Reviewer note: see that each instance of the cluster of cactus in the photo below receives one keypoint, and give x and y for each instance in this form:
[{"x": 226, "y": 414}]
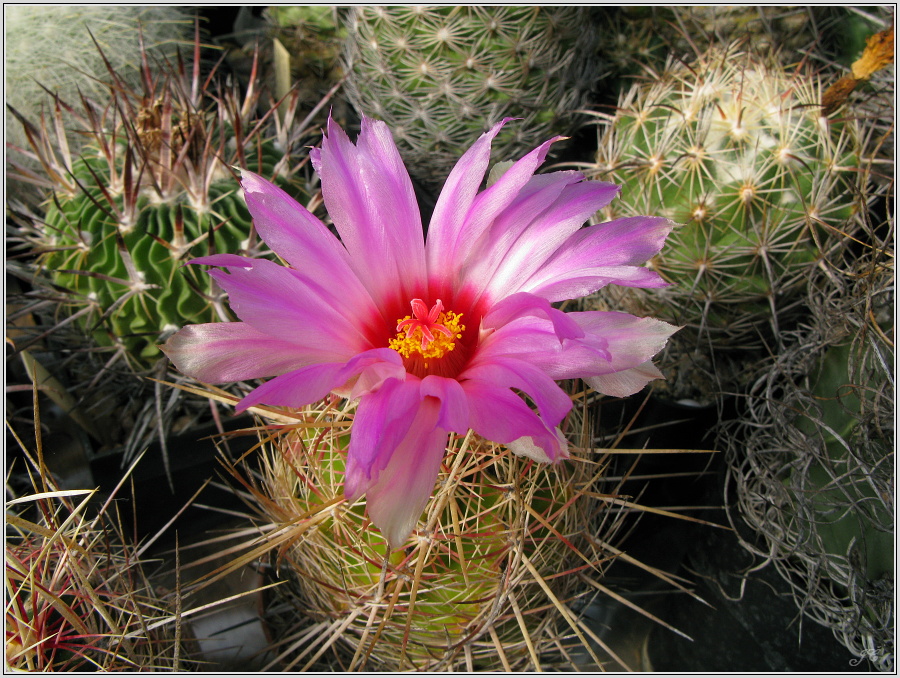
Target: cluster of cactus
[
  {"x": 154, "y": 187},
  {"x": 475, "y": 588},
  {"x": 439, "y": 76},
  {"x": 812, "y": 455},
  {"x": 827, "y": 33},
  {"x": 734, "y": 148}
]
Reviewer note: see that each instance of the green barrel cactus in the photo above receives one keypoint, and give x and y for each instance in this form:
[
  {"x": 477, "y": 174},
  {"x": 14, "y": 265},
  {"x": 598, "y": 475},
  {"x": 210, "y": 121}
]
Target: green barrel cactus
[
  {"x": 155, "y": 187},
  {"x": 439, "y": 76},
  {"x": 471, "y": 590},
  {"x": 733, "y": 148}
]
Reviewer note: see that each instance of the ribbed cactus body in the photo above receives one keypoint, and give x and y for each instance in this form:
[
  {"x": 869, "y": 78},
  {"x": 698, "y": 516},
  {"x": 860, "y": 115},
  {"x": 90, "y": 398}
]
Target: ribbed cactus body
[
  {"x": 734, "y": 149},
  {"x": 140, "y": 282},
  {"x": 439, "y": 75},
  {"x": 130, "y": 266},
  {"x": 155, "y": 186}
]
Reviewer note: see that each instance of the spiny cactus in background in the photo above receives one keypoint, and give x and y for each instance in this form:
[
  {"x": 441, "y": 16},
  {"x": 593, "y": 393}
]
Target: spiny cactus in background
[
  {"x": 478, "y": 586},
  {"x": 54, "y": 49},
  {"x": 734, "y": 148},
  {"x": 153, "y": 189},
  {"x": 78, "y": 597},
  {"x": 629, "y": 42},
  {"x": 812, "y": 455},
  {"x": 439, "y": 76}
]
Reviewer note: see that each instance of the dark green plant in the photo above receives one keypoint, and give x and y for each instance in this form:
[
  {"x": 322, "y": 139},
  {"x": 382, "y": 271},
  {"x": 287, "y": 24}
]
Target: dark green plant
[{"x": 154, "y": 187}]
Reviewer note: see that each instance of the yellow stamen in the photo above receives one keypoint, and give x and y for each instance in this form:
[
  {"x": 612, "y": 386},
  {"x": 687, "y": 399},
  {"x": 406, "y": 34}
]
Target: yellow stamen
[{"x": 428, "y": 344}]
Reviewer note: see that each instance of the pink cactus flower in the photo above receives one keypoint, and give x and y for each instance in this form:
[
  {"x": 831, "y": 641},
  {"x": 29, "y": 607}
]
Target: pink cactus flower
[{"x": 431, "y": 335}]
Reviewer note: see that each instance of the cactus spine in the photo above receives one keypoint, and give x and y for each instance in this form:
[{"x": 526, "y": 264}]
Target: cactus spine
[
  {"x": 439, "y": 75},
  {"x": 734, "y": 148},
  {"x": 472, "y": 590},
  {"x": 153, "y": 189}
]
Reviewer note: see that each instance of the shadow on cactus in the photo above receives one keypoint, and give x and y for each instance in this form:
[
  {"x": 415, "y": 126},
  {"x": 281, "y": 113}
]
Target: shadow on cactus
[{"x": 154, "y": 188}]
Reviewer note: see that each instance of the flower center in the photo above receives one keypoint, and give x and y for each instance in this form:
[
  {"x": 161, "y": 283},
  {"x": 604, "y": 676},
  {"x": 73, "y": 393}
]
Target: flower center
[{"x": 429, "y": 333}]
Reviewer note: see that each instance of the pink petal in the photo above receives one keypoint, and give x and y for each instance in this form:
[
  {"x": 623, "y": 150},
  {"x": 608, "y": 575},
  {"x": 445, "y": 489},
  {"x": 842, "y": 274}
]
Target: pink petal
[
  {"x": 523, "y": 304},
  {"x": 370, "y": 198},
  {"x": 612, "y": 342},
  {"x": 313, "y": 382},
  {"x": 454, "y": 412},
  {"x": 285, "y": 304},
  {"x": 552, "y": 402},
  {"x": 381, "y": 423},
  {"x": 396, "y": 500},
  {"x": 626, "y": 382},
  {"x": 530, "y": 230},
  {"x": 302, "y": 240},
  {"x": 608, "y": 253},
  {"x": 631, "y": 341},
  {"x": 526, "y": 447},
  {"x": 498, "y": 414},
  {"x": 221, "y": 352},
  {"x": 449, "y": 251},
  {"x": 456, "y": 198}
]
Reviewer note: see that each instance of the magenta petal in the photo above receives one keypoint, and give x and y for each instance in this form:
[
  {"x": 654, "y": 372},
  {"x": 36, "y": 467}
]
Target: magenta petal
[
  {"x": 300, "y": 387},
  {"x": 225, "y": 261},
  {"x": 454, "y": 412},
  {"x": 612, "y": 342},
  {"x": 457, "y": 195},
  {"x": 302, "y": 240},
  {"x": 314, "y": 382},
  {"x": 500, "y": 415},
  {"x": 607, "y": 253},
  {"x": 552, "y": 402},
  {"x": 220, "y": 352},
  {"x": 520, "y": 241},
  {"x": 280, "y": 302},
  {"x": 627, "y": 341},
  {"x": 381, "y": 422},
  {"x": 396, "y": 500},
  {"x": 449, "y": 252},
  {"x": 370, "y": 198},
  {"x": 523, "y": 304}
]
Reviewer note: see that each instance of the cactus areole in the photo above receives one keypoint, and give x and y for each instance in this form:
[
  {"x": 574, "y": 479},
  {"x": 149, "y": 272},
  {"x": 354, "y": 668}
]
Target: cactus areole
[{"x": 431, "y": 336}]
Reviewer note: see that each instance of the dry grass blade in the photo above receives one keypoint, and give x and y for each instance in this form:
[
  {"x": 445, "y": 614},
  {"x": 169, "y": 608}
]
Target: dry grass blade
[{"x": 77, "y": 596}]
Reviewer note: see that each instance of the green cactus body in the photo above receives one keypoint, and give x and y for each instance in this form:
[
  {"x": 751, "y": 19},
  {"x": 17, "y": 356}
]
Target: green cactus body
[
  {"x": 812, "y": 453},
  {"x": 160, "y": 294},
  {"x": 155, "y": 186},
  {"x": 733, "y": 149},
  {"x": 439, "y": 75},
  {"x": 826, "y": 33},
  {"x": 452, "y": 583},
  {"x": 845, "y": 505}
]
